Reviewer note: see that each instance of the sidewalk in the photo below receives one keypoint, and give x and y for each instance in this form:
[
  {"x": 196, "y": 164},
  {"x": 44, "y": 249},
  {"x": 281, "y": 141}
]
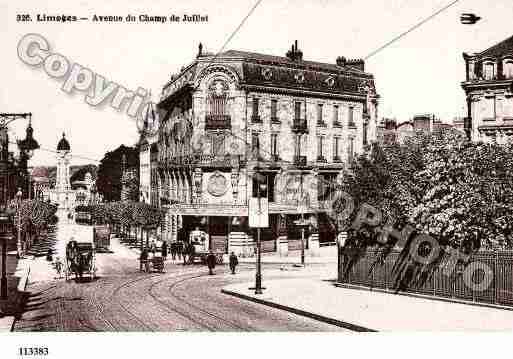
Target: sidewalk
[
  {"x": 325, "y": 255},
  {"x": 35, "y": 268},
  {"x": 364, "y": 310}
]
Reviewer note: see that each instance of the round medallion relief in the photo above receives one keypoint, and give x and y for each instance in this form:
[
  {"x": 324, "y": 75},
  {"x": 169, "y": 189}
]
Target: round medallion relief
[{"x": 217, "y": 184}]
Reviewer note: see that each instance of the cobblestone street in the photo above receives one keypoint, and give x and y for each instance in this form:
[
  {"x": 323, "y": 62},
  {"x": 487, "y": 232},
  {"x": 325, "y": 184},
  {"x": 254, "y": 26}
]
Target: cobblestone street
[{"x": 123, "y": 299}]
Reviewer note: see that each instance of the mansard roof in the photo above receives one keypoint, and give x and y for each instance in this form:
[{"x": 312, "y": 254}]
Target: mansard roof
[
  {"x": 499, "y": 50},
  {"x": 277, "y": 72}
]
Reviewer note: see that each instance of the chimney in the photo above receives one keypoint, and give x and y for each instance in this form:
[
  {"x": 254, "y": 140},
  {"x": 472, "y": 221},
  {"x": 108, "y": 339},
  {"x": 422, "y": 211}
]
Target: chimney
[{"x": 294, "y": 54}]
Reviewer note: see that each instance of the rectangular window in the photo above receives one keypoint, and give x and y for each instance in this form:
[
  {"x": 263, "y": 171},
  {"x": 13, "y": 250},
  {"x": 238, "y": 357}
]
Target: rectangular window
[
  {"x": 297, "y": 109},
  {"x": 274, "y": 110},
  {"x": 335, "y": 114},
  {"x": 350, "y": 149},
  {"x": 319, "y": 146},
  {"x": 256, "y": 102},
  {"x": 335, "y": 148},
  {"x": 255, "y": 143},
  {"x": 365, "y": 133},
  {"x": 319, "y": 113},
  {"x": 274, "y": 144},
  {"x": 350, "y": 116}
]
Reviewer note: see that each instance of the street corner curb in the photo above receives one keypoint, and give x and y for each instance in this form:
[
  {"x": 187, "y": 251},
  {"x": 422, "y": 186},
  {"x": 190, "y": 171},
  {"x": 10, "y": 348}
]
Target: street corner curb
[
  {"x": 7, "y": 324},
  {"x": 301, "y": 312}
]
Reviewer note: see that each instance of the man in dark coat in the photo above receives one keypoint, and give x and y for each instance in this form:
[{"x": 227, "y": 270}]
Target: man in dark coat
[
  {"x": 163, "y": 250},
  {"x": 211, "y": 262},
  {"x": 233, "y": 262},
  {"x": 192, "y": 253},
  {"x": 185, "y": 248},
  {"x": 173, "y": 249},
  {"x": 144, "y": 260}
]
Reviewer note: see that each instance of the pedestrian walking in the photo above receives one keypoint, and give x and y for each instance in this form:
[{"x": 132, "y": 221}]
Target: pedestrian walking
[
  {"x": 58, "y": 267},
  {"x": 153, "y": 247},
  {"x": 192, "y": 253},
  {"x": 164, "y": 250},
  {"x": 211, "y": 262},
  {"x": 184, "y": 250},
  {"x": 144, "y": 261},
  {"x": 173, "y": 248},
  {"x": 234, "y": 261},
  {"x": 179, "y": 250}
]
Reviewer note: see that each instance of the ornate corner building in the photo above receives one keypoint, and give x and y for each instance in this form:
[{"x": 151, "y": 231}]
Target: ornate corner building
[
  {"x": 299, "y": 122},
  {"x": 489, "y": 90}
]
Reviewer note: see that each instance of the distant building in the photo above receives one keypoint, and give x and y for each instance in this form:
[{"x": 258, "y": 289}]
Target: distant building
[
  {"x": 391, "y": 131},
  {"x": 148, "y": 160},
  {"x": 41, "y": 183},
  {"x": 489, "y": 90}
]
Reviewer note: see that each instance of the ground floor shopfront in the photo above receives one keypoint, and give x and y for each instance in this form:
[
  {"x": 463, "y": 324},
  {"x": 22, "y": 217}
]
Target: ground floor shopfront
[{"x": 229, "y": 232}]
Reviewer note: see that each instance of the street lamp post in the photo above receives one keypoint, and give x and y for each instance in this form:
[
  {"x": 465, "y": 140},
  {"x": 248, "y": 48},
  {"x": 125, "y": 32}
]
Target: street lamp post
[
  {"x": 5, "y": 228},
  {"x": 18, "y": 214}
]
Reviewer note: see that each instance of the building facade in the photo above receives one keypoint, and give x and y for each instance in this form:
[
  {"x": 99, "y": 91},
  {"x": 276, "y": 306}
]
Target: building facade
[
  {"x": 489, "y": 92},
  {"x": 227, "y": 116},
  {"x": 147, "y": 157}
]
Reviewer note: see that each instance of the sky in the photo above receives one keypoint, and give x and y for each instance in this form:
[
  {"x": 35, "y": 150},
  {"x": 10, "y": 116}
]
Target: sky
[{"x": 419, "y": 73}]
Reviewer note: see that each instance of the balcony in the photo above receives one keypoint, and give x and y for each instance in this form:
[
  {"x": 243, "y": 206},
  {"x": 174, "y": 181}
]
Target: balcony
[
  {"x": 300, "y": 161},
  {"x": 337, "y": 159},
  {"x": 275, "y": 120},
  {"x": 321, "y": 124},
  {"x": 217, "y": 122},
  {"x": 300, "y": 125},
  {"x": 256, "y": 119},
  {"x": 337, "y": 124},
  {"x": 205, "y": 160},
  {"x": 352, "y": 125},
  {"x": 321, "y": 159}
]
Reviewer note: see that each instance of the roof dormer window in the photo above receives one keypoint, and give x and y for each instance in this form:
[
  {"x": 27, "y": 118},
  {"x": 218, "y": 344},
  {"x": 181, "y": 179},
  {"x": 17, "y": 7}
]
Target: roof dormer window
[
  {"x": 488, "y": 70},
  {"x": 507, "y": 68}
]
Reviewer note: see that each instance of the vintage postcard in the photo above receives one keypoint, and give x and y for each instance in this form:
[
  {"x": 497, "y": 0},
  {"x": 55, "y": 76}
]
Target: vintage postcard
[{"x": 252, "y": 166}]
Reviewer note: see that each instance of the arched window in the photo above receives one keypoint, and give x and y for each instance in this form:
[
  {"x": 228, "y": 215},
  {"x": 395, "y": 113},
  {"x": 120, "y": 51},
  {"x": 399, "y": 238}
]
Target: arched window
[
  {"x": 508, "y": 68},
  {"x": 217, "y": 105},
  {"x": 488, "y": 71}
]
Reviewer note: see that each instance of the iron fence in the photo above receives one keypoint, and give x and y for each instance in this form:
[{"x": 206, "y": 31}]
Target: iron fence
[{"x": 462, "y": 283}]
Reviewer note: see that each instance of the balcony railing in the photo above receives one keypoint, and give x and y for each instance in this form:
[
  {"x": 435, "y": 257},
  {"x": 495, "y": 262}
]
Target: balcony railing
[
  {"x": 300, "y": 125},
  {"x": 300, "y": 161},
  {"x": 206, "y": 160},
  {"x": 275, "y": 120},
  {"x": 337, "y": 124},
  {"x": 256, "y": 119},
  {"x": 336, "y": 159},
  {"x": 321, "y": 159},
  {"x": 321, "y": 124},
  {"x": 352, "y": 125},
  {"x": 217, "y": 122}
]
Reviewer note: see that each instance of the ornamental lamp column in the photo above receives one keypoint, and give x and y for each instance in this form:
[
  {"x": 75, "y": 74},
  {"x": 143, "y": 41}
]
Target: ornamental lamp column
[{"x": 19, "y": 246}]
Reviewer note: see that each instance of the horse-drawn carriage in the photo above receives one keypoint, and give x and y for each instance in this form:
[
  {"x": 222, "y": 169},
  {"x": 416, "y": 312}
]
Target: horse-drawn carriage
[{"x": 80, "y": 260}]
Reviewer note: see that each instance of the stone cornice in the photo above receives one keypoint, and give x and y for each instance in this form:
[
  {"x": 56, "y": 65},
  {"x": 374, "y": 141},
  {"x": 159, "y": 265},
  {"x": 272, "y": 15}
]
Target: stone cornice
[{"x": 301, "y": 93}]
